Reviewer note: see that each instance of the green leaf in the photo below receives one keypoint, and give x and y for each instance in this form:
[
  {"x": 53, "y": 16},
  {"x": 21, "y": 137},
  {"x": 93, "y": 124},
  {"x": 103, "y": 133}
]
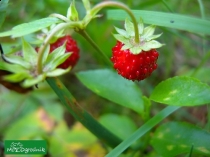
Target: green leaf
[
  {"x": 31, "y": 27},
  {"x": 3, "y": 7},
  {"x": 122, "y": 126},
  {"x": 129, "y": 27},
  {"x": 181, "y": 91},
  {"x": 113, "y": 87},
  {"x": 174, "y": 138},
  {"x": 58, "y": 72},
  {"x": 29, "y": 53},
  {"x": 181, "y": 22}
]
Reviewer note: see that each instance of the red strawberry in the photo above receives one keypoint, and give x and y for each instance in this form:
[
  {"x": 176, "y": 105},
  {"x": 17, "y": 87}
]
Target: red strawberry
[
  {"x": 71, "y": 46},
  {"x": 135, "y": 60},
  {"x": 132, "y": 66}
]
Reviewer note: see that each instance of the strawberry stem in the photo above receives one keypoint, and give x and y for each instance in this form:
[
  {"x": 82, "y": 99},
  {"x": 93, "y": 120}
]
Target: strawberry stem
[
  {"x": 90, "y": 40},
  {"x": 101, "y": 5},
  {"x": 59, "y": 16}
]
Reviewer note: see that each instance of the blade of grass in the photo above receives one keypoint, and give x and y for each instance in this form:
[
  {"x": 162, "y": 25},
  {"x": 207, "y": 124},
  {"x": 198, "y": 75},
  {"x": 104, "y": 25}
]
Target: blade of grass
[
  {"x": 142, "y": 131},
  {"x": 80, "y": 114},
  {"x": 3, "y": 7},
  {"x": 181, "y": 22},
  {"x": 167, "y": 6},
  {"x": 203, "y": 17}
]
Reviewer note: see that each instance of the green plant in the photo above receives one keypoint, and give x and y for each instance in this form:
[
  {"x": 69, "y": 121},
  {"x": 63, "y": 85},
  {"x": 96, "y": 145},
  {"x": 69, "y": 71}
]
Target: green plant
[{"x": 137, "y": 100}]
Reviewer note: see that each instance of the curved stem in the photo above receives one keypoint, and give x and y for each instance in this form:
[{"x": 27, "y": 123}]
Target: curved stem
[
  {"x": 89, "y": 39},
  {"x": 58, "y": 28},
  {"x": 101, "y": 5},
  {"x": 59, "y": 16}
]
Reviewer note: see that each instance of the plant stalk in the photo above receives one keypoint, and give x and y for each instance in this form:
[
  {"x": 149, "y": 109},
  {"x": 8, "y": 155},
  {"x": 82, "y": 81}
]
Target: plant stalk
[
  {"x": 89, "y": 39},
  {"x": 101, "y": 5},
  {"x": 80, "y": 114}
]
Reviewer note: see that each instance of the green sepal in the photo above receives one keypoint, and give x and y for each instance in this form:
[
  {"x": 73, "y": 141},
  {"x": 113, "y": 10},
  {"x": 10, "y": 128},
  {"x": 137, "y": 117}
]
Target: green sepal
[
  {"x": 121, "y": 38},
  {"x": 141, "y": 26},
  {"x": 29, "y": 53},
  {"x": 153, "y": 44},
  {"x": 127, "y": 37},
  {"x": 17, "y": 60},
  {"x": 136, "y": 50},
  {"x": 59, "y": 60},
  {"x": 148, "y": 31},
  {"x": 152, "y": 37},
  {"x": 127, "y": 46},
  {"x": 55, "y": 53},
  {"x": 72, "y": 13},
  {"x": 87, "y": 5},
  {"x": 46, "y": 54},
  {"x": 16, "y": 77},
  {"x": 129, "y": 27},
  {"x": 122, "y": 32},
  {"x": 58, "y": 72},
  {"x": 33, "y": 81},
  {"x": 13, "y": 68}
]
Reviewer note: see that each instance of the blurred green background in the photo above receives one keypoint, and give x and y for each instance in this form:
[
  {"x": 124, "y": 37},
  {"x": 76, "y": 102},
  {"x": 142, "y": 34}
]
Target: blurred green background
[{"x": 39, "y": 115}]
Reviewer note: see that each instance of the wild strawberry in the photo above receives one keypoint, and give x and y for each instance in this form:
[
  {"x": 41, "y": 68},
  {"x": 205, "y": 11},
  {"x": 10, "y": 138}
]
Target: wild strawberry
[
  {"x": 134, "y": 66},
  {"x": 71, "y": 46},
  {"x": 135, "y": 61}
]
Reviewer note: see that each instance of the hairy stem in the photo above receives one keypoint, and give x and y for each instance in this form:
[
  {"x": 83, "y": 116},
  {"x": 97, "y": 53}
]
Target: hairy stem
[{"x": 101, "y": 5}]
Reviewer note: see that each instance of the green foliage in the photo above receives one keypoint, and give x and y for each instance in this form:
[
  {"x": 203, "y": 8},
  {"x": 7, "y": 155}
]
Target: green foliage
[
  {"x": 31, "y": 27},
  {"x": 122, "y": 126},
  {"x": 134, "y": 109},
  {"x": 175, "y": 138},
  {"x": 181, "y": 91},
  {"x": 166, "y": 20},
  {"x": 123, "y": 92}
]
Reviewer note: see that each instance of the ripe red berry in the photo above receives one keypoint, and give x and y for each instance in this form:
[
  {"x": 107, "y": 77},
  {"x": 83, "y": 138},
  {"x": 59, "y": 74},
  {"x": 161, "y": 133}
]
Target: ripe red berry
[
  {"x": 133, "y": 58},
  {"x": 71, "y": 46},
  {"x": 134, "y": 66}
]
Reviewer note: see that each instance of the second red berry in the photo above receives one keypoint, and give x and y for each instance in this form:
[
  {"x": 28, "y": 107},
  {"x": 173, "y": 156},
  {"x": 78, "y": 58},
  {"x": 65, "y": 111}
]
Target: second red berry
[{"x": 71, "y": 46}]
